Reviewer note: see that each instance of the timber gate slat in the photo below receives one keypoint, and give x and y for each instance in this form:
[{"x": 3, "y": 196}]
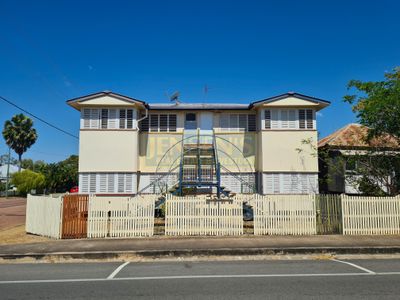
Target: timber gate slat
[{"x": 75, "y": 215}]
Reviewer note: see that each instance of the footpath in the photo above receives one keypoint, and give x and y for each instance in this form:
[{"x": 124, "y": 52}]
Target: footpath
[{"x": 161, "y": 247}]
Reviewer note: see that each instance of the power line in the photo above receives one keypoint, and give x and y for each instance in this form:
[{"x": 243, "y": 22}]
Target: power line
[{"x": 37, "y": 118}]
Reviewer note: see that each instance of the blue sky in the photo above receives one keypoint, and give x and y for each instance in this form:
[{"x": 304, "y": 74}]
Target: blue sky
[{"x": 51, "y": 51}]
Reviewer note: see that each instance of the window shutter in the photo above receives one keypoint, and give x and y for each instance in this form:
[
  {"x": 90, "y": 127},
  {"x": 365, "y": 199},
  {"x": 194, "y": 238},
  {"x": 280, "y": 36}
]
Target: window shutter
[
  {"x": 111, "y": 183},
  {"x": 94, "y": 119},
  {"x": 269, "y": 184},
  {"x": 233, "y": 122},
  {"x": 286, "y": 184},
  {"x": 129, "y": 181},
  {"x": 224, "y": 121},
  {"x": 274, "y": 119},
  {"x": 302, "y": 119},
  {"x": 172, "y": 123},
  {"x": 121, "y": 182},
  {"x": 153, "y": 122},
  {"x": 163, "y": 123},
  {"x": 242, "y": 122},
  {"x": 310, "y": 119},
  {"x": 103, "y": 182},
  {"x": 112, "y": 119},
  {"x": 84, "y": 183},
  {"x": 104, "y": 118},
  {"x": 284, "y": 119},
  {"x": 86, "y": 117},
  {"x": 122, "y": 118},
  {"x": 129, "y": 118},
  {"x": 303, "y": 183},
  {"x": 251, "y": 125},
  {"x": 267, "y": 118},
  {"x": 92, "y": 182},
  {"x": 292, "y": 119},
  {"x": 276, "y": 183}
]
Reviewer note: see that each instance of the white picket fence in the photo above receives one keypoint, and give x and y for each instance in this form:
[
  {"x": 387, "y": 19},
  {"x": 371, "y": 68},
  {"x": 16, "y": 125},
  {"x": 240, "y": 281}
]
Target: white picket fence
[
  {"x": 284, "y": 215},
  {"x": 198, "y": 216},
  {"x": 121, "y": 216},
  {"x": 370, "y": 215},
  {"x": 43, "y": 215}
]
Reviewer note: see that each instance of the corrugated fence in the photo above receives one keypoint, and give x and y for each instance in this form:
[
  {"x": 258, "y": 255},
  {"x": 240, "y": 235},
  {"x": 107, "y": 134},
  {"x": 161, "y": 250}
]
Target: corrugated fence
[{"x": 43, "y": 215}]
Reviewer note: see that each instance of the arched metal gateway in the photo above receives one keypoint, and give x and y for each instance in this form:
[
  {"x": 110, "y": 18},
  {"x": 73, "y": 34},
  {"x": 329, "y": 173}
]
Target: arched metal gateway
[{"x": 192, "y": 166}]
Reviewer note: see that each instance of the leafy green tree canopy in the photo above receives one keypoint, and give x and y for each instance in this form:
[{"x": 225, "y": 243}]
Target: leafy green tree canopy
[
  {"x": 19, "y": 134},
  {"x": 28, "y": 180},
  {"x": 377, "y": 104}
]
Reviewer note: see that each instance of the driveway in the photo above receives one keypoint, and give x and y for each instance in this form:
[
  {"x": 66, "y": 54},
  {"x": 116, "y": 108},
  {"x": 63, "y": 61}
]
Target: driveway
[{"x": 12, "y": 212}]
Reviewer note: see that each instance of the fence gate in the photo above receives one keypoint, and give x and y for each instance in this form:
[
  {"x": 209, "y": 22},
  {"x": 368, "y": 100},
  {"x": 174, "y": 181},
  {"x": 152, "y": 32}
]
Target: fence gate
[
  {"x": 329, "y": 214},
  {"x": 75, "y": 215}
]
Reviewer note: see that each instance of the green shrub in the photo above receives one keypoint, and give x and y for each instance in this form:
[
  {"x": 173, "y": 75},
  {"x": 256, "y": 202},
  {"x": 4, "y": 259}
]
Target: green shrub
[{"x": 27, "y": 180}]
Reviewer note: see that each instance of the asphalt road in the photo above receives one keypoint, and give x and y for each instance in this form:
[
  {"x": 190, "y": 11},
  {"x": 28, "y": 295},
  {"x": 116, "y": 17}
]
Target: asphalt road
[{"x": 283, "y": 279}]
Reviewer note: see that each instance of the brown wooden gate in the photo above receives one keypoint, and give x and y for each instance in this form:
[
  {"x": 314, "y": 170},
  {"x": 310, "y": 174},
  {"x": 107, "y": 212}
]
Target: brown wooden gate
[{"x": 75, "y": 215}]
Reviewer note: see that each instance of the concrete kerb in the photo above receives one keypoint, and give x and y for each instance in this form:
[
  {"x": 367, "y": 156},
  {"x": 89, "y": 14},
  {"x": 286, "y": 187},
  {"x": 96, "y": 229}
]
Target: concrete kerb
[{"x": 191, "y": 253}]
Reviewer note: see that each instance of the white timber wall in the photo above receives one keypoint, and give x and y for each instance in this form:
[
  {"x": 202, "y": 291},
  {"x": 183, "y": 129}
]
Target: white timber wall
[
  {"x": 284, "y": 215},
  {"x": 121, "y": 216},
  {"x": 370, "y": 215},
  {"x": 198, "y": 216},
  {"x": 44, "y": 215}
]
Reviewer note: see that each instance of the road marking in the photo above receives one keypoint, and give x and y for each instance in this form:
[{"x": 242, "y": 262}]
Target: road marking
[
  {"x": 117, "y": 270},
  {"x": 197, "y": 277},
  {"x": 354, "y": 265}
]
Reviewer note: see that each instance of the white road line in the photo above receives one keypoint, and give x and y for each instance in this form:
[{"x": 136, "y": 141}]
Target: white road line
[
  {"x": 196, "y": 277},
  {"x": 117, "y": 270},
  {"x": 354, "y": 265}
]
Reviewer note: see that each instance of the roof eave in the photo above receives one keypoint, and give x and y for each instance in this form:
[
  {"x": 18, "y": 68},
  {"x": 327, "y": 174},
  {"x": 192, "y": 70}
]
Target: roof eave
[
  {"x": 75, "y": 102},
  {"x": 320, "y": 102}
]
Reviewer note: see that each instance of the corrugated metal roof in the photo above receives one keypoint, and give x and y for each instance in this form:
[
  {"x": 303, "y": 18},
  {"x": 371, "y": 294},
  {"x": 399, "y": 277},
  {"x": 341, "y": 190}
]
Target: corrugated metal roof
[{"x": 198, "y": 106}]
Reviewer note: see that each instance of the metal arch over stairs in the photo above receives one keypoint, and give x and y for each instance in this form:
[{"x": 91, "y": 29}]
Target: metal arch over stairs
[{"x": 198, "y": 166}]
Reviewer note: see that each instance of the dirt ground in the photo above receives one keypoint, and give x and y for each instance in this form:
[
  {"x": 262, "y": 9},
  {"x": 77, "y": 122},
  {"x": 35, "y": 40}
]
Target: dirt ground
[
  {"x": 17, "y": 235},
  {"x": 12, "y": 222}
]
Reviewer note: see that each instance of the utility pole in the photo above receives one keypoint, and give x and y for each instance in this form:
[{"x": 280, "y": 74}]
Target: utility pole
[{"x": 8, "y": 170}]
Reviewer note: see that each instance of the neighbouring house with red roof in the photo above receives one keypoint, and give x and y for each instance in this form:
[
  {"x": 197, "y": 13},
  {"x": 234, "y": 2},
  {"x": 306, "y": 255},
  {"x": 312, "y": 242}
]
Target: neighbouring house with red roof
[{"x": 340, "y": 153}]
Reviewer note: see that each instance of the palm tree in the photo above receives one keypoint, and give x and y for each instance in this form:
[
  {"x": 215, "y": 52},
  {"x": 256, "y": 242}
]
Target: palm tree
[{"x": 19, "y": 135}]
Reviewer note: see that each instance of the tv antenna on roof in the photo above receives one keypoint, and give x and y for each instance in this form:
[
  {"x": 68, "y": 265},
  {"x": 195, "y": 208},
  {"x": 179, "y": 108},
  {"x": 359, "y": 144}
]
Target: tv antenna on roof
[{"x": 175, "y": 97}]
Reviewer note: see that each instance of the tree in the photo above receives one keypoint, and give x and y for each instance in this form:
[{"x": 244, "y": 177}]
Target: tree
[
  {"x": 27, "y": 164},
  {"x": 61, "y": 176},
  {"x": 377, "y": 104},
  {"x": 36, "y": 166},
  {"x": 19, "y": 134},
  {"x": 28, "y": 180},
  {"x": 4, "y": 160}
]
